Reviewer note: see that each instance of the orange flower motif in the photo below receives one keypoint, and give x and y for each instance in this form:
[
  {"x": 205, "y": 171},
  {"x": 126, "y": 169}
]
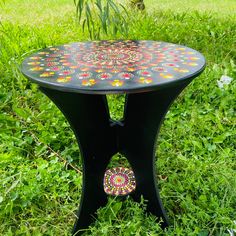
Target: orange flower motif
[
  {"x": 43, "y": 53},
  {"x": 90, "y": 82},
  {"x": 153, "y": 64},
  {"x": 54, "y": 49},
  {"x": 131, "y": 69},
  {"x": 74, "y": 67},
  {"x": 115, "y": 71},
  {"x": 36, "y": 68},
  {"x": 190, "y": 53},
  {"x": 47, "y": 74},
  {"x": 84, "y": 69},
  {"x": 144, "y": 80},
  {"x": 33, "y": 63},
  {"x": 181, "y": 49},
  {"x": 99, "y": 70},
  {"x": 67, "y": 64},
  {"x": 35, "y": 58},
  {"x": 117, "y": 83},
  {"x": 194, "y": 58},
  {"x": 190, "y": 63},
  {"x": 181, "y": 70},
  {"x": 143, "y": 67},
  {"x": 166, "y": 76},
  {"x": 64, "y": 79},
  {"x": 63, "y": 60}
]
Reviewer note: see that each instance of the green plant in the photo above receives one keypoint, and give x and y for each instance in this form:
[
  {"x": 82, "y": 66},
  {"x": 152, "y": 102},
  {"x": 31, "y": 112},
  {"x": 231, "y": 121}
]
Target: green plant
[{"x": 102, "y": 17}]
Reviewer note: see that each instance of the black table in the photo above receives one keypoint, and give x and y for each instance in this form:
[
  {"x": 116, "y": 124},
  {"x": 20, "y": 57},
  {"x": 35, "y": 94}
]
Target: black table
[{"x": 77, "y": 77}]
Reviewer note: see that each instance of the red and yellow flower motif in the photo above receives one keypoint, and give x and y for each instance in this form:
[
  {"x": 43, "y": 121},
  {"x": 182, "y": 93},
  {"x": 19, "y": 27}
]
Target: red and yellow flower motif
[
  {"x": 51, "y": 59},
  {"x": 74, "y": 67},
  {"x": 99, "y": 70},
  {"x": 37, "y": 68},
  {"x": 117, "y": 83},
  {"x": 84, "y": 75},
  {"x": 35, "y": 58},
  {"x": 181, "y": 70},
  {"x": 190, "y": 53},
  {"x": 170, "y": 64},
  {"x": 104, "y": 76},
  {"x": 145, "y": 80},
  {"x": 67, "y": 72},
  {"x": 115, "y": 70},
  {"x": 126, "y": 75},
  {"x": 52, "y": 63},
  {"x": 84, "y": 69},
  {"x": 190, "y": 63},
  {"x": 67, "y": 64},
  {"x": 47, "y": 74},
  {"x": 158, "y": 69},
  {"x": 64, "y": 79},
  {"x": 144, "y": 73},
  {"x": 33, "y": 63},
  {"x": 131, "y": 69},
  {"x": 181, "y": 49},
  {"x": 43, "y": 53},
  {"x": 54, "y": 49},
  {"x": 90, "y": 82},
  {"x": 56, "y": 68},
  {"x": 166, "y": 75},
  {"x": 194, "y": 58}
]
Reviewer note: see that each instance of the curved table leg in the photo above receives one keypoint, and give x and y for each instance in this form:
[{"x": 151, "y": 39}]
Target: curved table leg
[
  {"x": 144, "y": 114},
  {"x": 99, "y": 138},
  {"x": 89, "y": 118}
]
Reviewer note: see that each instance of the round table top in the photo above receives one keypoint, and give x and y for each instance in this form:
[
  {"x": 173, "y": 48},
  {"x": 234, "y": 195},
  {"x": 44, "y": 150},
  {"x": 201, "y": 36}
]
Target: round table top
[{"x": 114, "y": 66}]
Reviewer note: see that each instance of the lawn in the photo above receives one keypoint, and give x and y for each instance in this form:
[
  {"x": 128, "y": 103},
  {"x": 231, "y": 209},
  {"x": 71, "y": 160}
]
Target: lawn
[{"x": 40, "y": 165}]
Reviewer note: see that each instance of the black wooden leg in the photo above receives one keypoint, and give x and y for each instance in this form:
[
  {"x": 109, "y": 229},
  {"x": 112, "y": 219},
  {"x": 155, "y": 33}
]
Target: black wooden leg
[
  {"x": 89, "y": 118},
  {"x": 99, "y": 138},
  {"x": 144, "y": 114}
]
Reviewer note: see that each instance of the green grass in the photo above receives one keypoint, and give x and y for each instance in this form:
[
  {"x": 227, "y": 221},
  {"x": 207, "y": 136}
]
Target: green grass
[
  {"x": 217, "y": 7},
  {"x": 40, "y": 167}
]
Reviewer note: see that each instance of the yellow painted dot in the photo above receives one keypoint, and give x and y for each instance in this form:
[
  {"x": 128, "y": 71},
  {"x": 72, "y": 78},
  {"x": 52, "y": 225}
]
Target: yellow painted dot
[
  {"x": 117, "y": 83},
  {"x": 167, "y": 76},
  {"x": 37, "y": 68},
  {"x": 47, "y": 74},
  {"x": 64, "y": 79}
]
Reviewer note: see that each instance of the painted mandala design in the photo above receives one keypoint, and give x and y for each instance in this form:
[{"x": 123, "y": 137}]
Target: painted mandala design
[
  {"x": 119, "y": 181},
  {"x": 113, "y": 65}
]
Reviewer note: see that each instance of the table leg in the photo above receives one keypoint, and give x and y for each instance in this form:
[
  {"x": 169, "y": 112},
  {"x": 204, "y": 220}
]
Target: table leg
[
  {"x": 144, "y": 114},
  {"x": 99, "y": 138},
  {"x": 88, "y": 116}
]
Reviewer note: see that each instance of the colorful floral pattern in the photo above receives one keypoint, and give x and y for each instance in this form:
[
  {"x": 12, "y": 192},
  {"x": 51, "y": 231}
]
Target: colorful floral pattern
[
  {"x": 119, "y": 181},
  {"x": 113, "y": 65}
]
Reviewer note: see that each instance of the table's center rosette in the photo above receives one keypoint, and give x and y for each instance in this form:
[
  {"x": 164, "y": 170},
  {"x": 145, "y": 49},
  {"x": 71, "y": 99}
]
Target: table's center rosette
[
  {"x": 112, "y": 57},
  {"x": 112, "y": 66}
]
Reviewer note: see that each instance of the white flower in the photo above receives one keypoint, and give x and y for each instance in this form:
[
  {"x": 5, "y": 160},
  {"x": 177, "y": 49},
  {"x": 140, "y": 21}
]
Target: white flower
[{"x": 224, "y": 80}]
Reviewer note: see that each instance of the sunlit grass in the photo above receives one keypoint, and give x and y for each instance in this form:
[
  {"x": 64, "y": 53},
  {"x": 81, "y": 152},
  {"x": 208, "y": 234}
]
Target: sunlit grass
[{"x": 40, "y": 180}]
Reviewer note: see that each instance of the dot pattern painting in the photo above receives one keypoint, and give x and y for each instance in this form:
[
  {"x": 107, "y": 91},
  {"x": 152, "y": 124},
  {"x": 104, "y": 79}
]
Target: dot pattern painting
[
  {"x": 112, "y": 66},
  {"x": 119, "y": 181}
]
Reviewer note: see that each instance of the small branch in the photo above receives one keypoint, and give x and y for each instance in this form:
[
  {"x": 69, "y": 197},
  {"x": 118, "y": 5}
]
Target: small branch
[{"x": 66, "y": 163}]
